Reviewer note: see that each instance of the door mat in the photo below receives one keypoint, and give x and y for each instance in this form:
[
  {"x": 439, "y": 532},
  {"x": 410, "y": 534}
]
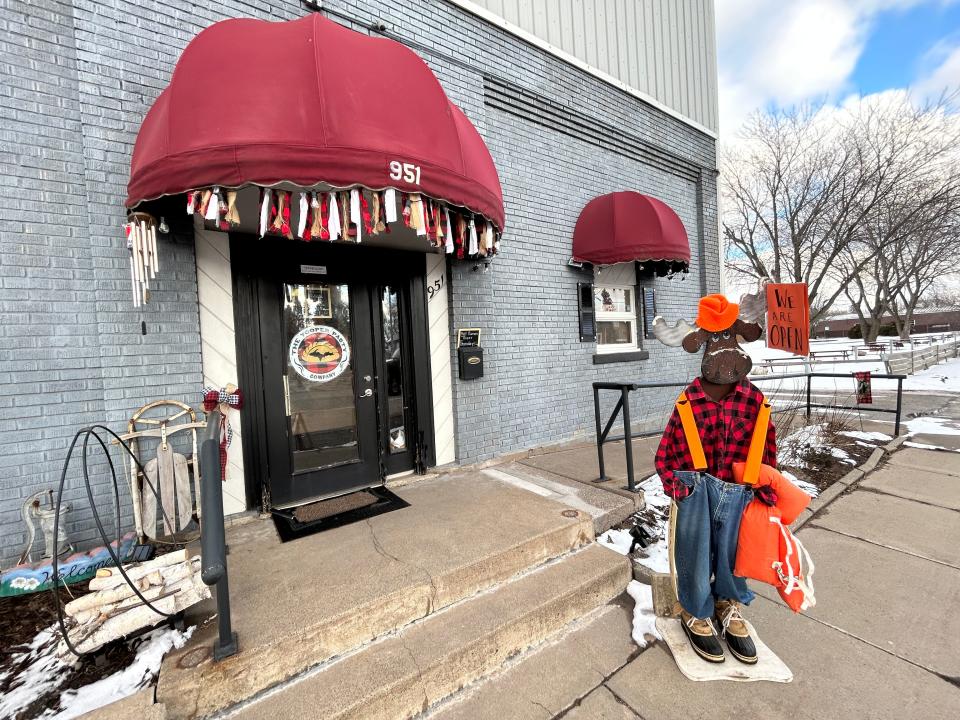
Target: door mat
[
  {"x": 316, "y": 517},
  {"x": 768, "y": 667}
]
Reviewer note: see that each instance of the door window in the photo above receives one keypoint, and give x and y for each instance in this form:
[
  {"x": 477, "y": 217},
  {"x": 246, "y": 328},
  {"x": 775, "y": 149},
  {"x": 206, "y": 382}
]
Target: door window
[
  {"x": 319, "y": 376},
  {"x": 393, "y": 360}
]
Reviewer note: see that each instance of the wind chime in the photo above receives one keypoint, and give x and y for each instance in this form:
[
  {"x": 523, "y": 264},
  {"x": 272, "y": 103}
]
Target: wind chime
[{"x": 141, "y": 230}]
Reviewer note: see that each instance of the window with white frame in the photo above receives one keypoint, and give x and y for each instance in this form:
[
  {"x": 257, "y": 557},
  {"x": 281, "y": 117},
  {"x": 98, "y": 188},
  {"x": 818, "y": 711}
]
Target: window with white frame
[{"x": 616, "y": 317}]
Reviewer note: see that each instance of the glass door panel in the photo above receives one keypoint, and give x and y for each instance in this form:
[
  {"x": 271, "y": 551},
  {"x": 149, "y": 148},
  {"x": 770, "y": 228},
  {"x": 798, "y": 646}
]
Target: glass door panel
[
  {"x": 393, "y": 361},
  {"x": 319, "y": 376}
]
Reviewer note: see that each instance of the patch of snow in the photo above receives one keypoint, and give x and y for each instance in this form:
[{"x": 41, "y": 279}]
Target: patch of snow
[
  {"x": 644, "y": 619},
  {"x": 653, "y": 492},
  {"x": 654, "y": 556},
  {"x": 842, "y": 455},
  {"x": 44, "y": 672},
  {"x": 944, "y": 377},
  {"x": 795, "y": 446},
  {"x": 809, "y": 488},
  {"x": 932, "y": 426},
  {"x": 138, "y": 674},
  {"x": 925, "y": 446},
  {"x": 617, "y": 540},
  {"x": 860, "y": 435}
]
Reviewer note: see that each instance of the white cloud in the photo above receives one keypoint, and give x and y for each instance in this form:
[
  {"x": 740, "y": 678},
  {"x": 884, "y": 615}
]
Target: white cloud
[
  {"x": 772, "y": 52},
  {"x": 942, "y": 71}
]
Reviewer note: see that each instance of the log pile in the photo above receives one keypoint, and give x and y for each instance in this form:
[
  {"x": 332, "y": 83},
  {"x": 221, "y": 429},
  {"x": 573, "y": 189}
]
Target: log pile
[{"x": 170, "y": 582}]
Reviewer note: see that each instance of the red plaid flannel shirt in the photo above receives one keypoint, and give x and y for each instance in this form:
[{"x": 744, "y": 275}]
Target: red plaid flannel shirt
[{"x": 725, "y": 427}]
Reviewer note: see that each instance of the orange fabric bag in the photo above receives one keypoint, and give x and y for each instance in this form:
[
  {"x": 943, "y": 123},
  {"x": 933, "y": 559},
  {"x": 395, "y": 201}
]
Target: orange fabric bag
[
  {"x": 791, "y": 500},
  {"x": 766, "y": 549}
]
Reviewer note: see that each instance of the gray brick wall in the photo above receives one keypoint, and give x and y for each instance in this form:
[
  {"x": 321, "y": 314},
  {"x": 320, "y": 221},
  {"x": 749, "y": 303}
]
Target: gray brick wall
[{"x": 77, "y": 76}]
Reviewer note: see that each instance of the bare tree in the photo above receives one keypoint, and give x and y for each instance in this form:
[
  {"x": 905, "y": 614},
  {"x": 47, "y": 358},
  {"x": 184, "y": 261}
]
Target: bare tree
[{"x": 838, "y": 200}]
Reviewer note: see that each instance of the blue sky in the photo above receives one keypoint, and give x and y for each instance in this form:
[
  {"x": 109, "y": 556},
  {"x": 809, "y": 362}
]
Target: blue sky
[
  {"x": 900, "y": 43},
  {"x": 788, "y": 52}
]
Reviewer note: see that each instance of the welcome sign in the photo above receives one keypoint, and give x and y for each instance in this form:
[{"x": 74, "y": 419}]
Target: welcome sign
[{"x": 788, "y": 318}]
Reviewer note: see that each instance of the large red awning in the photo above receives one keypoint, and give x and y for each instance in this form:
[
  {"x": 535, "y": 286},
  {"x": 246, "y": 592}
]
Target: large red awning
[
  {"x": 630, "y": 227},
  {"x": 309, "y": 102}
]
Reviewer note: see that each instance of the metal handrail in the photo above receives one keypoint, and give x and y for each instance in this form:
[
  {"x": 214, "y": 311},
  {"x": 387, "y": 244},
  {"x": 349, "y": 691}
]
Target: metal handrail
[
  {"x": 623, "y": 405},
  {"x": 213, "y": 542}
]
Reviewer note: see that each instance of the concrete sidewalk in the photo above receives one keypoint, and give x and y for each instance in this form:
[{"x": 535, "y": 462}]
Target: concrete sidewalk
[{"x": 881, "y": 642}]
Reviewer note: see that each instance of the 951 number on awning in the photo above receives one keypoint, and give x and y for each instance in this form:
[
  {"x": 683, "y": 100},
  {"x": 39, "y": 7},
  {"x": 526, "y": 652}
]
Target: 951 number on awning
[{"x": 408, "y": 172}]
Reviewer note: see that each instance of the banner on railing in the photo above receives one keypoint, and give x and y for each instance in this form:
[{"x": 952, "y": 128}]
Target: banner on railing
[
  {"x": 788, "y": 318},
  {"x": 864, "y": 391}
]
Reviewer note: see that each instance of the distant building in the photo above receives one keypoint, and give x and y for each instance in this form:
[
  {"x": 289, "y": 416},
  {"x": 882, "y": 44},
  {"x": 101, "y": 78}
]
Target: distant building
[{"x": 924, "y": 321}]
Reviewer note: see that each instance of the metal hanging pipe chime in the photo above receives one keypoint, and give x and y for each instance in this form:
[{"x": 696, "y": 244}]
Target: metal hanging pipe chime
[{"x": 141, "y": 230}]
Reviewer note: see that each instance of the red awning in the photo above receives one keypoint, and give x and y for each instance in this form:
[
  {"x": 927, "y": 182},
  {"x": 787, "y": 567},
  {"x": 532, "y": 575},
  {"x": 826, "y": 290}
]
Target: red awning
[
  {"x": 627, "y": 227},
  {"x": 309, "y": 102}
]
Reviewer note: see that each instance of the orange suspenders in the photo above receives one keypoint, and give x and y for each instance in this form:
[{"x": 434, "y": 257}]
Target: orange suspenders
[
  {"x": 690, "y": 432},
  {"x": 754, "y": 455},
  {"x": 751, "y": 473}
]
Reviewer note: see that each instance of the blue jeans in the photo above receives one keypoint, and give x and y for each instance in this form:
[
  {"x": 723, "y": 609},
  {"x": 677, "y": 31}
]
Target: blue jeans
[{"x": 705, "y": 543}]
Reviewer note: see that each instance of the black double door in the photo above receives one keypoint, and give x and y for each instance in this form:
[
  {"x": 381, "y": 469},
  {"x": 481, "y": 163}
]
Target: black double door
[{"x": 338, "y": 350}]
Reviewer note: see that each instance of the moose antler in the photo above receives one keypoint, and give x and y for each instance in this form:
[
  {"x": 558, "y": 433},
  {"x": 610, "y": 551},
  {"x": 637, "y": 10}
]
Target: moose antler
[
  {"x": 671, "y": 336},
  {"x": 753, "y": 308}
]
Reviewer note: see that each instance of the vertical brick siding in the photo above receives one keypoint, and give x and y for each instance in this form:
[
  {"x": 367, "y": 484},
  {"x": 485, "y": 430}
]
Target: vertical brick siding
[{"x": 78, "y": 76}]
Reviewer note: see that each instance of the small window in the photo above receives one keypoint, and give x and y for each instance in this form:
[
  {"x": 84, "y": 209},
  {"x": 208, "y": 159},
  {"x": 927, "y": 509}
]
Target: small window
[{"x": 616, "y": 317}]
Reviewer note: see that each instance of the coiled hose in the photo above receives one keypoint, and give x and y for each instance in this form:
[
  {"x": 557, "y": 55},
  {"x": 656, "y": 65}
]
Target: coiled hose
[{"x": 86, "y": 433}]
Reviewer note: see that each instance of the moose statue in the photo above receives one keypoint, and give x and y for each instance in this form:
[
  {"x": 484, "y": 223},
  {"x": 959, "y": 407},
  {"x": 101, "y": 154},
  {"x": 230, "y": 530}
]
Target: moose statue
[{"x": 711, "y": 429}]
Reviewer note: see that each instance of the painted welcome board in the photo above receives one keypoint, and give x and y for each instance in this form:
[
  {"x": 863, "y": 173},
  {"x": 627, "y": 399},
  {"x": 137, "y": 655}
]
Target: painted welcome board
[
  {"x": 788, "y": 317},
  {"x": 74, "y": 568}
]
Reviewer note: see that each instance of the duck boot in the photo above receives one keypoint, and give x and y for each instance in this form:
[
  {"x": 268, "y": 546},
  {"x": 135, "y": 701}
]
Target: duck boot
[
  {"x": 703, "y": 637},
  {"x": 727, "y": 613}
]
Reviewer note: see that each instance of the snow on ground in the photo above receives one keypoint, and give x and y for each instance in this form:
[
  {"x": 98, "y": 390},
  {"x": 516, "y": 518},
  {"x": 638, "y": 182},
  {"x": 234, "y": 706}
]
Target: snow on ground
[
  {"x": 643, "y": 616},
  {"x": 926, "y": 446},
  {"x": 45, "y": 672},
  {"x": 809, "y": 488},
  {"x": 795, "y": 447},
  {"x": 617, "y": 540},
  {"x": 860, "y": 435},
  {"x": 654, "y": 556},
  {"x": 944, "y": 377},
  {"x": 932, "y": 426}
]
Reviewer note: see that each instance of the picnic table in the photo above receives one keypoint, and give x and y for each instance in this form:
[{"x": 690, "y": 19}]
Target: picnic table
[{"x": 836, "y": 354}]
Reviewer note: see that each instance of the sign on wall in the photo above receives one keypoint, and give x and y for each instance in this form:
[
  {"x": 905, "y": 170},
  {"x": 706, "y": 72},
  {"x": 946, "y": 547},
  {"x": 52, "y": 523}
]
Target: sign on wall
[{"x": 788, "y": 318}]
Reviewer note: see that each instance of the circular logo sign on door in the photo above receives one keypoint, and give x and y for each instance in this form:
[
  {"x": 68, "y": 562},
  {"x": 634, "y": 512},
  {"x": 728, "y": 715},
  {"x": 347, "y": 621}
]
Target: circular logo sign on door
[{"x": 319, "y": 353}]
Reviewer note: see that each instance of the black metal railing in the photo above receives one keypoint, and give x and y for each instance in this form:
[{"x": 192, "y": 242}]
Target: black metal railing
[
  {"x": 213, "y": 542},
  {"x": 623, "y": 406}
]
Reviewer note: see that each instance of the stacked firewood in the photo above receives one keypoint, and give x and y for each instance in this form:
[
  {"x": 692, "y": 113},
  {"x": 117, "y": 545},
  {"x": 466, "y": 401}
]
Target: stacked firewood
[{"x": 171, "y": 583}]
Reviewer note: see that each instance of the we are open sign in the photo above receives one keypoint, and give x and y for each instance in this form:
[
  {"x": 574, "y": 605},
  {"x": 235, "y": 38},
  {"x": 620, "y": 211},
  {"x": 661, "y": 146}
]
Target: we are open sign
[{"x": 788, "y": 318}]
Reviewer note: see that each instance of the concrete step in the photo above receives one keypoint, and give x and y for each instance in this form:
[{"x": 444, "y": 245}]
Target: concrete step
[
  {"x": 299, "y": 604},
  {"x": 607, "y": 506},
  {"x": 554, "y": 677},
  {"x": 404, "y": 674}
]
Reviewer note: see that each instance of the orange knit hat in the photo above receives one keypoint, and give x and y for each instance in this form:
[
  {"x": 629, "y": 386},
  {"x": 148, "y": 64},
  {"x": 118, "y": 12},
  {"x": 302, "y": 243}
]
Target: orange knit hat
[{"x": 716, "y": 313}]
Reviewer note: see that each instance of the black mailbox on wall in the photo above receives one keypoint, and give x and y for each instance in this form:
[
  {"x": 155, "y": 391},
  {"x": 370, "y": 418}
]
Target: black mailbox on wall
[{"x": 471, "y": 362}]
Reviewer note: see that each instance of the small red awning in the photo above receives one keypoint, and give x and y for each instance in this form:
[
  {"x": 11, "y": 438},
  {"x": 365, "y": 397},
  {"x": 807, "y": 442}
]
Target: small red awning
[
  {"x": 630, "y": 227},
  {"x": 309, "y": 102}
]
